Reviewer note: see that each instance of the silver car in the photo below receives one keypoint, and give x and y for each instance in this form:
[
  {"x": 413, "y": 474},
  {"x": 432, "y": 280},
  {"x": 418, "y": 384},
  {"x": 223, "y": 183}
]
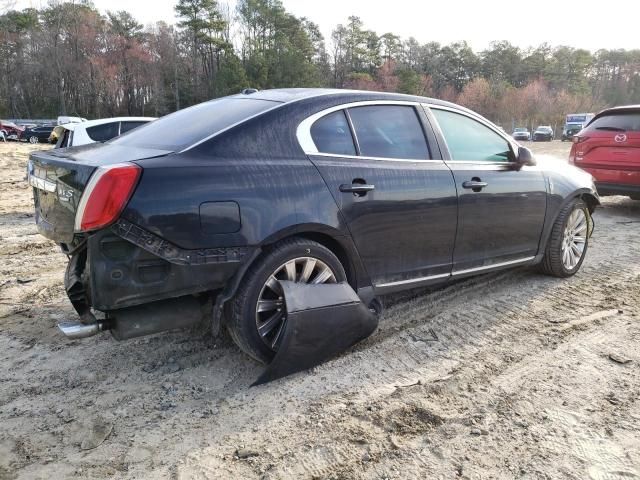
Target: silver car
[{"x": 521, "y": 133}]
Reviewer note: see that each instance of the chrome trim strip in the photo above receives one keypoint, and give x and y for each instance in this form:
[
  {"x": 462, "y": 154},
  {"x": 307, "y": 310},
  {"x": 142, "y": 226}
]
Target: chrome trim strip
[
  {"x": 360, "y": 157},
  {"x": 459, "y": 272},
  {"x": 303, "y": 132},
  {"x": 41, "y": 183},
  {"x": 495, "y": 265},
  {"x": 479, "y": 162},
  {"x": 413, "y": 280}
]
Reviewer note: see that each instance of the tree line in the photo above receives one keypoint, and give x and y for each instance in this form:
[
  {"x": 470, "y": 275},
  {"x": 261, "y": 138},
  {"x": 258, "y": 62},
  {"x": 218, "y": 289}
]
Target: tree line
[{"x": 68, "y": 58}]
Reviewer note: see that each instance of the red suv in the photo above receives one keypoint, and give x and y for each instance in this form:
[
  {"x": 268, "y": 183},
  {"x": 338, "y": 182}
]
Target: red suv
[{"x": 609, "y": 149}]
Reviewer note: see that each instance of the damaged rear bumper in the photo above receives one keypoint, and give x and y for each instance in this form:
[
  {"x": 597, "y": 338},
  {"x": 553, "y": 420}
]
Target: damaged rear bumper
[{"x": 142, "y": 283}]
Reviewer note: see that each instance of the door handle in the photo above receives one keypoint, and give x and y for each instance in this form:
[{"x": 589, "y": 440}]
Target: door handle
[
  {"x": 357, "y": 188},
  {"x": 475, "y": 184}
]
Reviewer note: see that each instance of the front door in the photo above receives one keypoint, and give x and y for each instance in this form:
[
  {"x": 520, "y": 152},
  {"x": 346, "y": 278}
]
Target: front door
[
  {"x": 501, "y": 208},
  {"x": 398, "y": 203}
]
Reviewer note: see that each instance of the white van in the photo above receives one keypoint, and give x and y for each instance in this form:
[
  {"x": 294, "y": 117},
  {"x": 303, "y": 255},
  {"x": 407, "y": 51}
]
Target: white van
[{"x": 93, "y": 131}]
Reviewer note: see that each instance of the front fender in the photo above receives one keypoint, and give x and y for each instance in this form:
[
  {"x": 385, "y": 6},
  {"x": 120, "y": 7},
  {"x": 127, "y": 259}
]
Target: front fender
[{"x": 565, "y": 183}]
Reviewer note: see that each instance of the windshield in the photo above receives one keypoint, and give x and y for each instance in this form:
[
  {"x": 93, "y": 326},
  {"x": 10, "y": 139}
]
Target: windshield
[
  {"x": 183, "y": 128},
  {"x": 520, "y": 130}
]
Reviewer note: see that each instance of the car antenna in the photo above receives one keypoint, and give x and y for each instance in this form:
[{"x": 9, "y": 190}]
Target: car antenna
[{"x": 249, "y": 91}]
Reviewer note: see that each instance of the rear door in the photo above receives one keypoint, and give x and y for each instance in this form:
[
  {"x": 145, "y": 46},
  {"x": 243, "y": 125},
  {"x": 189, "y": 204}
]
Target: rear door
[
  {"x": 501, "y": 209},
  {"x": 397, "y": 197}
]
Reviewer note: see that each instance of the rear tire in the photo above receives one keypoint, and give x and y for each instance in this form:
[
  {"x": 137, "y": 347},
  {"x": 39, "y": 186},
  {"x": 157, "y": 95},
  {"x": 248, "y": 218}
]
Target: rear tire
[
  {"x": 243, "y": 318},
  {"x": 33, "y": 139},
  {"x": 569, "y": 241}
]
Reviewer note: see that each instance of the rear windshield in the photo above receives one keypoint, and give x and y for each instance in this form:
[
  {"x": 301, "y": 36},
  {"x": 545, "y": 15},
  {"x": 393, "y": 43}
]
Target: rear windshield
[
  {"x": 628, "y": 122},
  {"x": 183, "y": 128}
]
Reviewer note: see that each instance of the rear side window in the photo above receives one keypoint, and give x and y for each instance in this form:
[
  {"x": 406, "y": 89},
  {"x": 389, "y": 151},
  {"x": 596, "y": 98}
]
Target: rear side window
[
  {"x": 127, "y": 126},
  {"x": 186, "y": 127},
  {"x": 104, "y": 132},
  {"x": 389, "y": 131},
  {"x": 332, "y": 134},
  {"x": 470, "y": 140},
  {"x": 628, "y": 122}
]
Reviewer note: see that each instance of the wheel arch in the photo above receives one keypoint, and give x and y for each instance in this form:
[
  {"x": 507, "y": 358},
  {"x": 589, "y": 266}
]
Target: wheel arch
[
  {"x": 586, "y": 195},
  {"x": 340, "y": 244},
  {"x": 590, "y": 199}
]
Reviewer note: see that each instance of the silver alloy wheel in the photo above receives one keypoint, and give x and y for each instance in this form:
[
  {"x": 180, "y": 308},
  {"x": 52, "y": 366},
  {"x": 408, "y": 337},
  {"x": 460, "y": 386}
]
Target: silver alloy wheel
[
  {"x": 33, "y": 139},
  {"x": 574, "y": 239},
  {"x": 270, "y": 309}
]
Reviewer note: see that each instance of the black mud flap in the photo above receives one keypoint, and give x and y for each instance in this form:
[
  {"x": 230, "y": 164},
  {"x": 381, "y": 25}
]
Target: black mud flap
[{"x": 322, "y": 321}]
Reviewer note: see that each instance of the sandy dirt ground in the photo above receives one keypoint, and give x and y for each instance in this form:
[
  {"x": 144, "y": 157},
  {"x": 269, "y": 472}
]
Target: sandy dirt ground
[{"x": 507, "y": 375}]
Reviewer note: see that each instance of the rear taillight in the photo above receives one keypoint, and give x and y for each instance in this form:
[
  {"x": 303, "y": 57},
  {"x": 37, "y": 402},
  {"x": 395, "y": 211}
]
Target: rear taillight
[
  {"x": 577, "y": 139},
  {"x": 106, "y": 195}
]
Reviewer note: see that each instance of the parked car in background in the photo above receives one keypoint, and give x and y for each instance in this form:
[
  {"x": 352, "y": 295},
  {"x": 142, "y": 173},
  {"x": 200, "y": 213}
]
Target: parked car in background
[
  {"x": 574, "y": 122},
  {"x": 64, "y": 119},
  {"x": 543, "y": 133},
  {"x": 521, "y": 133},
  {"x": 92, "y": 131},
  {"x": 11, "y": 130},
  {"x": 609, "y": 149},
  {"x": 222, "y": 201},
  {"x": 570, "y": 130},
  {"x": 38, "y": 134}
]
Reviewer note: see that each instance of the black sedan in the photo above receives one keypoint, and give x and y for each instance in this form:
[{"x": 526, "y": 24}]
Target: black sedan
[
  {"x": 38, "y": 134},
  {"x": 543, "y": 134},
  {"x": 211, "y": 209}
]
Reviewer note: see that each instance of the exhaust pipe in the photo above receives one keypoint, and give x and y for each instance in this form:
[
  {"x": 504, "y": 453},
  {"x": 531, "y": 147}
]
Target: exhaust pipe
[{"x": 76, "y": 330}]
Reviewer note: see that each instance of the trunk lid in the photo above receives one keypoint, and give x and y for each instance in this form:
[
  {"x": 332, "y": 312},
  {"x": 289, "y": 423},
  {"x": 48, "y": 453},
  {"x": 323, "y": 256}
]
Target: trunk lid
[
  {"x": 610, "y": 141},
  {"x": 59, "y": 177},
  {"x": 612, "y": 150}
]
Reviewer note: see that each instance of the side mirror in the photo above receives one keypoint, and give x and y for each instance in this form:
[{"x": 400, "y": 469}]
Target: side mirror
[{"x": 525, "y": 157}]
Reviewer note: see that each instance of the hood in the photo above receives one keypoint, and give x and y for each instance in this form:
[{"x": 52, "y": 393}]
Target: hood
[{"x": 558, "y": 169}]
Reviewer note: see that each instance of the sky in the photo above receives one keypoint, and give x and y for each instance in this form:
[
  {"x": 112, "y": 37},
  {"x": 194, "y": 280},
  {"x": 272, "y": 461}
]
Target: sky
[{"x": 524, "y": 23}]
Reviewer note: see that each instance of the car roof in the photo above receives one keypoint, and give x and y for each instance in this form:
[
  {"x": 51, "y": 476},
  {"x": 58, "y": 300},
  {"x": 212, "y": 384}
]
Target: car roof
[
  {"x": 619, "y": 109},
  {"x": 288, "y": 95}
]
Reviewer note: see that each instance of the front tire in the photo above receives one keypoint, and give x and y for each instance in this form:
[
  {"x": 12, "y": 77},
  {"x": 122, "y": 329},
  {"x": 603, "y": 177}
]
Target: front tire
[
  {"x": 569, "y": 241},
  {"x": 33, "y": 139},
  {"x": 256, "y": 317}
]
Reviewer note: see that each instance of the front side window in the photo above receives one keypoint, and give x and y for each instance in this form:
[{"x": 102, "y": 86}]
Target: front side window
[
  {"x": 389, "y": 131},
  {"x": 104, "y": 132},
  {"x": 470, "y": 140},
  {"x": 331, "y": 134}
]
